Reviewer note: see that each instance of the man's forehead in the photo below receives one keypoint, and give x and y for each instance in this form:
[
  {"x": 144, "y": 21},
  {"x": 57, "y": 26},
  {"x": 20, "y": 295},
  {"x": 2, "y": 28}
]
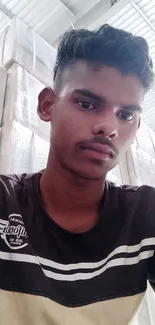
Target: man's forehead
[{"x": 104, "y": 82}]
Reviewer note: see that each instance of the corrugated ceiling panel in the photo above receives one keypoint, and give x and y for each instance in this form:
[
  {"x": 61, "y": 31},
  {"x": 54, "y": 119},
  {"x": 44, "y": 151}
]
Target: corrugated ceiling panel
[
  {"x": 51, "y": 18},
  {"x": 15, "y": 4},
  {"x": 33, "y": 11},
  {"x": 144, "y": 4},
  {"x": 123, "y": 14},
  {"x": 42, "y": 11},
  {"x": 6, "y": 2},
  {"x": 148, "y": 9},
  {"x": 45, "y": 17}
]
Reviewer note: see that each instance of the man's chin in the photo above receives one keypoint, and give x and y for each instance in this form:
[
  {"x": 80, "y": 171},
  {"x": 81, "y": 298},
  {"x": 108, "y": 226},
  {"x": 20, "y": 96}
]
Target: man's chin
[{"x": 91, "y": 173}]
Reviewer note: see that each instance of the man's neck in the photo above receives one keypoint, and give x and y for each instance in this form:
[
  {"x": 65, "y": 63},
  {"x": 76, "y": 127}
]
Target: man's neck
[{"x": 72, "y": 202}]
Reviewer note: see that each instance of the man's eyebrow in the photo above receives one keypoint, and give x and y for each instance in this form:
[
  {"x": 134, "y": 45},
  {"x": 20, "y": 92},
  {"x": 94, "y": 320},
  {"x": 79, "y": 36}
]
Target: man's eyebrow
[
  {"x": 89, "y": 94},
  {"x": 133, "y": 108},
  {"x": 99, "y": 99}
]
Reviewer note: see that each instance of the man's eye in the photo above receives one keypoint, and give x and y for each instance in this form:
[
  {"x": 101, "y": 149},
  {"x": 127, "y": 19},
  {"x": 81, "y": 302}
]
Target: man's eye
[
  {"x": 126, "y": 116},
  {"x": 86, "y": 105}
]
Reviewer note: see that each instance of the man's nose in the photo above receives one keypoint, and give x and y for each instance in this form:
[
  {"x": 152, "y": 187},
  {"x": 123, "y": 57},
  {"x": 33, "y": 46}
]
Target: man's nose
[{"x": 106, "y": 127}]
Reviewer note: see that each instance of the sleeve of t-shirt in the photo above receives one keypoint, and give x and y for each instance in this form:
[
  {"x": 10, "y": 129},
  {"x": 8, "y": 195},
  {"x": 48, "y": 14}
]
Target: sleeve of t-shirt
[
  {"x": 151, "y": 276},
  {"x": 145, "y": 201},
  {"x": 8, "y": 197}
]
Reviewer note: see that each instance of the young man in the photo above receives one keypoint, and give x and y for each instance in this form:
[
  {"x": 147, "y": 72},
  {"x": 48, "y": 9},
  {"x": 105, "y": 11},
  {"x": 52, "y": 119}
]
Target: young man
[{"x": 76, "y": 249}]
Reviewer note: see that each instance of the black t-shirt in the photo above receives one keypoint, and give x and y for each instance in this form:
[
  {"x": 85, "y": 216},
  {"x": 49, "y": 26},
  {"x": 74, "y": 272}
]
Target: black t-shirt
[{"x": 49, "y": 276}]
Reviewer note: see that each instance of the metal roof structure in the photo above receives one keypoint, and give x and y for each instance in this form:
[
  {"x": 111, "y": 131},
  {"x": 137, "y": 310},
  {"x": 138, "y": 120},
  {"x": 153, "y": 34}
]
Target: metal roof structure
[{"x": 51, "y": 18}]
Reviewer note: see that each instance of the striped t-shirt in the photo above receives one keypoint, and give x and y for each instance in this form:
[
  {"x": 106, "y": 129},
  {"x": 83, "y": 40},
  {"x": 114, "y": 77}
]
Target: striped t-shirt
[{"x": 49, "y": 276}]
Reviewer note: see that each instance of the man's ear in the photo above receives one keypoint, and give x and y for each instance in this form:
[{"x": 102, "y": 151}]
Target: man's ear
[{"x": 45, "y": 101}]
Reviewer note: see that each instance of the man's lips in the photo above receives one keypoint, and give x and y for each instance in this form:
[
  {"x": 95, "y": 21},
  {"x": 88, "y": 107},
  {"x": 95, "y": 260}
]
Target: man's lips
[
  {"x": 98, "y": 151},
  {"x": 101, "y": 148}
]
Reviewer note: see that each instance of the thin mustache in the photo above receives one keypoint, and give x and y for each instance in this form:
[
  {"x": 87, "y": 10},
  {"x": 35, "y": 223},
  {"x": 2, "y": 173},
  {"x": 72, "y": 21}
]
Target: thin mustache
[{"x": 100, "y": 140}]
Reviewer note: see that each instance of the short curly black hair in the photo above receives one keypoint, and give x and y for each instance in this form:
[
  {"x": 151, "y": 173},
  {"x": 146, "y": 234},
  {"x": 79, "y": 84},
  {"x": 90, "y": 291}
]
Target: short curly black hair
[{"x": 109, "y": 46}]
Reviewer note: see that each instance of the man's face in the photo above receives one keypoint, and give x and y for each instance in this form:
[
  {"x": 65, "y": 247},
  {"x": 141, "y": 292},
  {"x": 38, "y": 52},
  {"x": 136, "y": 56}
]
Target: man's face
[{"x": 94, "y": 119}]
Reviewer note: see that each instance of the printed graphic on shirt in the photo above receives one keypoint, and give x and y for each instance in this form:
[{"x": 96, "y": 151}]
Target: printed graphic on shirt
[{"x": 13, "y": 231}]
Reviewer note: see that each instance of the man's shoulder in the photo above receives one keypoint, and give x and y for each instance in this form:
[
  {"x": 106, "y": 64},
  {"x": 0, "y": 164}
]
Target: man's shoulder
[
  {"x": 10, "y": 182},
  {"x": 18, "y": 178},
  {"x": 135, "y": 201},
  {"x": 134, "y": 206},
  {"x": 134, "y": 191},
  {"x": 12, "y": 186}
]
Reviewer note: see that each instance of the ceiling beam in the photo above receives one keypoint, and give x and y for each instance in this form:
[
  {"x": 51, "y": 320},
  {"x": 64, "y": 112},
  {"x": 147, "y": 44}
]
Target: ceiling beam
[{"x": 68, "y": 8}]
